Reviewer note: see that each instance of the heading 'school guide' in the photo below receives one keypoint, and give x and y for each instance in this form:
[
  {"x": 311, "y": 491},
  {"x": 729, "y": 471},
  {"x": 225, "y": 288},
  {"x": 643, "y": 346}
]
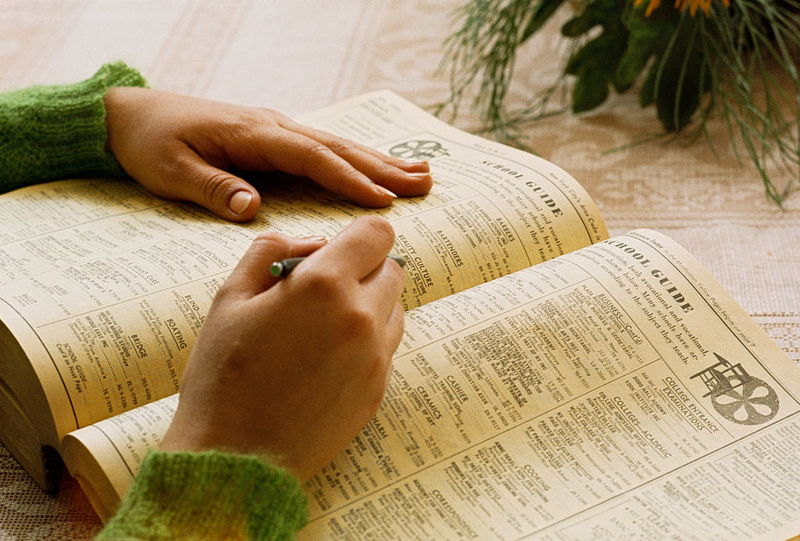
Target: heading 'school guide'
[{"x": 552, "y": 383}]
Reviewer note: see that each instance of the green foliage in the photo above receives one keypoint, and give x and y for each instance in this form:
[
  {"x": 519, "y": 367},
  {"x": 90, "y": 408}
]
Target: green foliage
[
  {"x": 596, "y": 61},
  {"x": 681, "y": 77},
  {"x": 486, "y": 45},
  {"x": 689, "y": 67},
  {"x": 541, "y": 13}
]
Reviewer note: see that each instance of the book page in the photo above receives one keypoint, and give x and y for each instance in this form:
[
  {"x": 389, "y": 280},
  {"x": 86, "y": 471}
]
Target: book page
[
  {"x": 105, "y": 456},
  {"x": 112, "y": 285},
  {"x": 107, "y": 306},
  {"x": 613, "y": 392},
  {"x": 498, "y": 209}
]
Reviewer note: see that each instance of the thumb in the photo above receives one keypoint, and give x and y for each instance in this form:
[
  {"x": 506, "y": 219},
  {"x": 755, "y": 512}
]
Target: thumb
[{"x": 223, "y": 193}]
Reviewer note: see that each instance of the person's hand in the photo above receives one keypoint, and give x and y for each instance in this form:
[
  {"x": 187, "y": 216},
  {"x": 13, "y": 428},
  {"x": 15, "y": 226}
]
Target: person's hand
[
  {"x": 180, "y": 148},
  {"x": 291, "y": 369}
]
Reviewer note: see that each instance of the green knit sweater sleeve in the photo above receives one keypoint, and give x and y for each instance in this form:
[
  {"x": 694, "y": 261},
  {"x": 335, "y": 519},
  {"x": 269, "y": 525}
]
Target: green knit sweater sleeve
[
  {"x": 209, "y": 495},
  {"x": 54, "y": 132}
]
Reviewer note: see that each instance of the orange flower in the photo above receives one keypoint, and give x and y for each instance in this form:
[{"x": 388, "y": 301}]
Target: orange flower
[{"x": 682, "y": 5}]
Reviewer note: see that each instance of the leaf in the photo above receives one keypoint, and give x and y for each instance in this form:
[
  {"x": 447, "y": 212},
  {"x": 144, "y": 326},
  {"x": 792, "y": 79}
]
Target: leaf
[
  {"x": 641, "y": 47},
  {"x": 542, "y": 13},
  {"x": 579, "y": 25},
  {"x": 682, "y": 80},
  {"x": 648, "y": 37},
  {"x": 595, "y": 62},
  {"x": 589, "y": 91},
  {"x": 584, "y": 57},
  {"x": 647, "y": 95},
  {"x": 599, "y": 12}
]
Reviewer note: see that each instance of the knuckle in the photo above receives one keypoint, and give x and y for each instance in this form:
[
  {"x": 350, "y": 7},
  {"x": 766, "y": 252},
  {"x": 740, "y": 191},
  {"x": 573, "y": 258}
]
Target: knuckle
[
  {"x": 313, "y": 163},
  {"x": 315, "y": 152},
  {"x": 242, "y": 120},
  {"x": 323, "y": 284},
  {"x": 234, "y": 364},
  {"x": 270, "y": 240},
  {"x": 216, "y": 186},
  {"x": 260, "y": 248},
  {"x": 232, "y": 125},
  {"x": 265, "y": 114},
  {"x": 321, "y": 160},
  {"x": 384, "y": 169},
  {"x": 340, "y": 146},
  {"x": 357, "y": 323},
  {"x": 266, "y": 244}
]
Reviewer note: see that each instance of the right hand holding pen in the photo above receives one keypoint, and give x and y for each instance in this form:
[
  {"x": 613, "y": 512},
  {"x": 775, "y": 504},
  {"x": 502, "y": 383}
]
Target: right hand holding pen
[{"x": 291, "y": 369}]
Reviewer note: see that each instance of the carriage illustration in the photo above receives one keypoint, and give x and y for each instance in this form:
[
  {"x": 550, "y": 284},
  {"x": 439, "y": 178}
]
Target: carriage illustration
[
  {"x": 736, "y": 395},
  {"x": 418, "y": 150}
]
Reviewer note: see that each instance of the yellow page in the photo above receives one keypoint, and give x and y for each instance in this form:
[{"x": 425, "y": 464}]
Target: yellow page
[
  {"x": 613, "y": 392},
  {"x": 114, "y": 284},
  {"x": 105, "y": 456},
  {"x": 583, "y": 398}
]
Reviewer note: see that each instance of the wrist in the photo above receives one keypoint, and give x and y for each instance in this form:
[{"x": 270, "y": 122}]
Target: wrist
[
  {"x": 180, "y": 439},
  {"x": 116, "y": 102},
  {"x": 62, "y": 127}
]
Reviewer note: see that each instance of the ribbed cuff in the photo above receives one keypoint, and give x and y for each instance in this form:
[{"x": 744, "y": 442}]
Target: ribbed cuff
[
  {"x": 53, "y": 132},
  {"x": 209, "y": 495}
]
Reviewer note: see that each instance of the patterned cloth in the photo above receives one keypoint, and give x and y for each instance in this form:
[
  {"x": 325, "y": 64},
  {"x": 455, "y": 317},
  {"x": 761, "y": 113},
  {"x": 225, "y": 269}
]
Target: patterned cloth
[{"x": 299, "y": 56}]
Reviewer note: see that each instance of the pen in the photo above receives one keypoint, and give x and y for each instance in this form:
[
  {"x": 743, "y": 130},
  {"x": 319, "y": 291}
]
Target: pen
[{"x": 284, "y": 267}]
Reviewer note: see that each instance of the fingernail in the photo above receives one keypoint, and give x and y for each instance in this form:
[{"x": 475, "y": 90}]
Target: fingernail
[
  {"x": 419, "y": 177},
  {"x": 240, "y": 201},
  {"x": 384, "y": 191},
  {"x": 319, "y": 238},
  {"x": 420, "y": 165}
]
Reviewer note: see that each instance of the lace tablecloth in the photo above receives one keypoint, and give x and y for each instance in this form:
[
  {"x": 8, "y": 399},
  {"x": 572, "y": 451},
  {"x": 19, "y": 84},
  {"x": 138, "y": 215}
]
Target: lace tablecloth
[{"x": 301, "y": 55}]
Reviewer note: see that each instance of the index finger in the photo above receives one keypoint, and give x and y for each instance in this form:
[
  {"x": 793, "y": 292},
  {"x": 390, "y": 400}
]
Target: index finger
[
  {"x": 356, "y": 251},
  {"x": 251, "y": 275},
  {"x": 298, "y": 154}
]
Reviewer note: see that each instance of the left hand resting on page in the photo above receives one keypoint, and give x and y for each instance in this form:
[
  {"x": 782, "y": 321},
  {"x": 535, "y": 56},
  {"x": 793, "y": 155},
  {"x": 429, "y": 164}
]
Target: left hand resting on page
[{"x": 181, "y": 147}]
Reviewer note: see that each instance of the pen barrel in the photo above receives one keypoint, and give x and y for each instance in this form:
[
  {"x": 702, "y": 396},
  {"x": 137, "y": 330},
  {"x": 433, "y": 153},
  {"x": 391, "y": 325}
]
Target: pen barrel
[
  {"x": 285, "y": 266},
  {"x": 400, "y": 260}
]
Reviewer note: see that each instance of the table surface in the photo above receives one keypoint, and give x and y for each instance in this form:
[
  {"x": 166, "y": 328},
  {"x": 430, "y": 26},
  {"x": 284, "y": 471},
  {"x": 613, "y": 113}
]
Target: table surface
[{"x": 302, "y": 55}]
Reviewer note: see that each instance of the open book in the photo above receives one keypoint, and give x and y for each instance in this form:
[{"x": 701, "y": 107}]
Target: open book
[{"x": 551, "y": 382}]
